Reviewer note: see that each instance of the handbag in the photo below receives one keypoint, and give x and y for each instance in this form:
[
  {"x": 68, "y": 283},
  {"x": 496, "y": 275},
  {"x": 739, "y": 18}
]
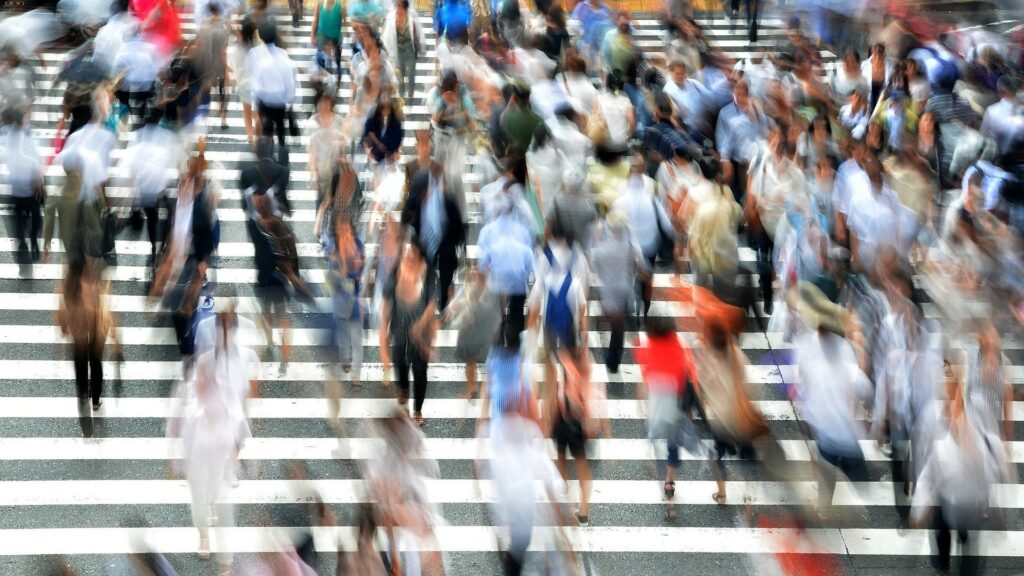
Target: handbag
[{"x": 666, "y": 240}]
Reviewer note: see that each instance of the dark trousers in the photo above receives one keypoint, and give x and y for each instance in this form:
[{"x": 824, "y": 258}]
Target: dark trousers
[
  {"x": 272, "y": 118},
  {"x": 616, "y": 343},
  {"x": 513, "y": 311},
  {"x": 753, "y": 9},
  {"x": 140, "y": 98},
  {"x": 442, "y": 271},
  {"x": 88, "y": 359},
  {"x": 853, "y": 466},
  {"x": 739, "y": 180},
  {"x": 28, "y": 220},
  {"x": 762, "y": 243},
  {"x": 152, "y": 226},
  {"x": 969, "y": 563},
  {"x": 403, "y": 365}
]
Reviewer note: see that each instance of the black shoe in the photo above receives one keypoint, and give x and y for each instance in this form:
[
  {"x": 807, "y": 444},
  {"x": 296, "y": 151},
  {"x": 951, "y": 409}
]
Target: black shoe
[
  {"x": 36, "y": 256},
  {"x": 769, "y": 305}
]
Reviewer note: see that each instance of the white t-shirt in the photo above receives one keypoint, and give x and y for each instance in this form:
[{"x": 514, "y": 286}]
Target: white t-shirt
[{"x": 614, "y": 110}]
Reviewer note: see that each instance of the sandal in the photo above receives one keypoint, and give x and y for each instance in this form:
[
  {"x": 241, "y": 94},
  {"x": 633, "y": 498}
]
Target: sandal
[
  {"x": 403, "y": 397},
  {"x": 670, "y": 489},
  {"x": 719, "y": 498},
  {"x": 581, "y": 519},
  {"x": 204, "y": 547},
  {"x": 670, "y": 512},
  {"x": 417, "y": 417},
  {"x": 96, "y": 406}
]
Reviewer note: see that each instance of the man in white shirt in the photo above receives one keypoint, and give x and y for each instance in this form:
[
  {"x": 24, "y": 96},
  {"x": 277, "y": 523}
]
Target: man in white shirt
[
  {"x": 274, "y": 80},
  {"x": 832, "y": 386},
  {"x": 690, "y": 97},
  {"x": 1003, "y": 121}
]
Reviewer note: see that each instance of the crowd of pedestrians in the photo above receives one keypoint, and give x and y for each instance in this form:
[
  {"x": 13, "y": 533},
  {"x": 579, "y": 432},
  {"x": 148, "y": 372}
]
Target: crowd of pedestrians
[{"x": 607, "y": 190}]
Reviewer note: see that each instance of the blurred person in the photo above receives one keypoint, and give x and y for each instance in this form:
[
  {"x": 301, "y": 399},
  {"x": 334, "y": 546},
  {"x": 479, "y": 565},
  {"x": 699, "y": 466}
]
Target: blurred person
[
  {"x": 408, "y": 326},
  {"x": 136, "y": 65},
  {"x": 267, "y": 175},
  {"x": 403, "y": 40},
  {"x": 453, "y": 117},
  {"x": 832, "y": 386},
  {"x": 617, "y": 262},
  {"x": 326, "y": 143},
  {"x": 662, "y": 138},
  {"x": 576, "y": 83},
  {"x": 17, "y": 83},
  {"x": 555, "y": 40},
  {"x": 545, "y": 168},
  {"x": 345, "y": 265},
  {"x": 84, "y": 318},
  {"x": 273, "y": 79},
  {"x": 568, "y": 418},
  {"x": 188, "y": 247},
  {"x": 573, "y": 211},
  {"x": 519, "y": 120},
  {"x": 528, "y": 487},
  {"x": 240, "y": 75},
  {"x": 614, "y": 118},
  {"x": 109, "y": 38},
  {"x": 325, "y": 32},
  {"x": 594, "y": 18},
  {"x": 390, "y": 241},
  {"x": 93, "y": 143},
  {"x": 476, "y": 314},
  {"x": 155, "y": 153},
  {"x": 558, "y": 299},
  {"x": 855, "y": 114},
  {"x": 877, "y": 70},
  {"x": 776, "y": 184},
  {"x": 752, "y": 8},
  {"x": 622, "y": 58},
  {"x": 691, "y": 98},
  {"x": 876, "y": 219},
  {"x": 649, "y": 223},
  {"x": 212, "y": 433},
  {"x": 955, "y": 484},
  {"x": 211, "y": 57},
  {"x": 1003, "y": 121},
  {"x": 382, "y": 135},
  {"x": 437, "y": 222},
  {"x": 530, "y": 64},
  {"x": 396, "y": 481},
  {"x": 506, "y": 262},
  {"x": 160, "y": 24},
  {"x": 344, "y": 202},
  {"x": 669, "y": 383},
  {"x": 848, "y": 78},
  {"x": 712, "y": 216},
  {"x": 722, "y": 400},
  {"x": 77, "y": 218},
  {"x": 277, "y": 264},
  {"x": 508, "y": 392},
  {"x": 740, "y": 128},
  {"x": 988, "y": 395},
  {"x": 25, "y": 176}
]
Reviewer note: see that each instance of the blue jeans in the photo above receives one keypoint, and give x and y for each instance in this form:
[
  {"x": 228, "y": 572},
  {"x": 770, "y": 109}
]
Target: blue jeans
[{"x": 636, "y": 97}]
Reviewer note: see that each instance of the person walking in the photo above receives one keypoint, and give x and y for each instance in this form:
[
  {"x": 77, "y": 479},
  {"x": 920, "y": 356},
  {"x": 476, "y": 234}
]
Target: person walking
[
  {"x": 408, "y": 325},
  {"x": 273, "y": 81},
  {"x": 84, "y": 318},
  {"x": 403, "y": 41}
]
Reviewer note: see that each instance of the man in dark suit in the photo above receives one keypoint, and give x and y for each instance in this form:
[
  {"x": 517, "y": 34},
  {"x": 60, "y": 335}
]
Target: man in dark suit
[
  {"x": 266, "y": 174},
  {"x": 438, "y": 225}
]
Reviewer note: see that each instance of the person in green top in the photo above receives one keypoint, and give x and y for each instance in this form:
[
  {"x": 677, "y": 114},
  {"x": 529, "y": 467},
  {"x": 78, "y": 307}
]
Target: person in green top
[
  {"x": 325, "y": 33},
  {"x": 519, "y": 120},
  {"x": 78, "y": 220}
]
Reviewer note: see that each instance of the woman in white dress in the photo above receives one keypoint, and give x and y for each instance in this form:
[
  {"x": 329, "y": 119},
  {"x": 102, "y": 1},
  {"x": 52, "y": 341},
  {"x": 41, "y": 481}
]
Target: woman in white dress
[{"x": 213, "y": 429}]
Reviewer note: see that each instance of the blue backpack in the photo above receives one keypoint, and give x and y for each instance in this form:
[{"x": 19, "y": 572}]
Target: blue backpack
[{"x": 558, "y": 314}]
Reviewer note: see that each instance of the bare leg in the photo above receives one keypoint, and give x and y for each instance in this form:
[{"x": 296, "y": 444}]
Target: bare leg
[
  {"x": 471, "y": 384},
  {"x": 583, "y": 471}
]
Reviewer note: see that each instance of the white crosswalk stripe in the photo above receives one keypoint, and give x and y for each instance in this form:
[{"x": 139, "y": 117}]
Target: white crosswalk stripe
[{"x": 78, "y": 492}]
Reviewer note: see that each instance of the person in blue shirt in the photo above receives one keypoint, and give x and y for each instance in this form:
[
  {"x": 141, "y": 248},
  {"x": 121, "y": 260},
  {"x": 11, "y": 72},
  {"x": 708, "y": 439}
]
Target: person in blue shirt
[
  {"x": 595, "y": 18},
  {"x": 452, "y": 18},
  {"x": 346, "y": 257}
]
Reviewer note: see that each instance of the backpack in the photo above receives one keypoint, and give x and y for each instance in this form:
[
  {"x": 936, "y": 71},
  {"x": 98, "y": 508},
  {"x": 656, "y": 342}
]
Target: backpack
[{"x": 558, "y": 314}]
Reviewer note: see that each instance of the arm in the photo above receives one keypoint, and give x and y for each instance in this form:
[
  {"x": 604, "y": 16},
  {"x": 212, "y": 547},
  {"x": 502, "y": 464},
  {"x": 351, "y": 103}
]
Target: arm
[{"x": 316, "y": 21}]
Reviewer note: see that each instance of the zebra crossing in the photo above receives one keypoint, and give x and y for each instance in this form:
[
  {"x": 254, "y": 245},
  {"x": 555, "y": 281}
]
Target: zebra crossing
[{"x": 94, "y": 501}]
